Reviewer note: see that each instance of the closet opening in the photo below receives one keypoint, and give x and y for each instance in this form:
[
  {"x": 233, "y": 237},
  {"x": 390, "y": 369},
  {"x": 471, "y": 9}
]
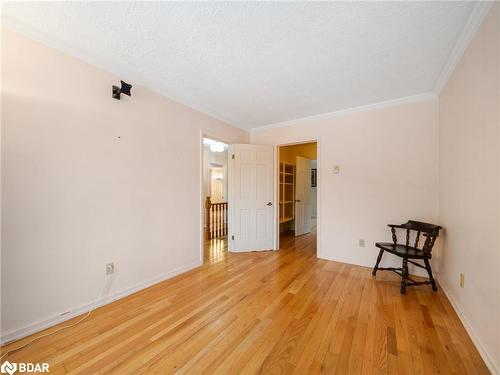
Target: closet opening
[{"x": 298, "y": 193}]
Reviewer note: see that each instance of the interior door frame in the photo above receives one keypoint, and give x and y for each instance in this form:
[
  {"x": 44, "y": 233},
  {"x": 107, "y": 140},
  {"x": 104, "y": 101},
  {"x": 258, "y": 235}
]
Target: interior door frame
[
  {"x": 318, "y": 192},
  {"x": 204, "y": 134}
]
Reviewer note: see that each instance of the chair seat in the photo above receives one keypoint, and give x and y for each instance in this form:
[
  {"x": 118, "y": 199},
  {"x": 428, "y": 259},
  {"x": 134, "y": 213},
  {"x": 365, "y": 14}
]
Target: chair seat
[{"x": 403, "y": 250}]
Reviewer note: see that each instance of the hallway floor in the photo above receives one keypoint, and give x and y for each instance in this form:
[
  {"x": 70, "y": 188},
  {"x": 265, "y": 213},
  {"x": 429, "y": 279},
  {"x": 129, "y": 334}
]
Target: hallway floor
[{"x": 215, "y": 250}]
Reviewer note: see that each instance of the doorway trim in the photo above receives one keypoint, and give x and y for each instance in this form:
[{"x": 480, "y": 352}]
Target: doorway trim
[
  {"x": 201, "y": 231},
  {"x": 318, "y": 187}
]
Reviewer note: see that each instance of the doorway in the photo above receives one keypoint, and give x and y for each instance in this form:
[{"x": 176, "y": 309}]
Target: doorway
[
  {"x": 215, "y": 192},
  {"x": 298, "y": 191}
]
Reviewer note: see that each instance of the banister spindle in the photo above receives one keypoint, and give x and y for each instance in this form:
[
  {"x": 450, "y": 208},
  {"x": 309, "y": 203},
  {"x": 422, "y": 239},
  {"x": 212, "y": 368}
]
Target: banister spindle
[
  {"x": 215, "y": 221},
  {"x": 216, "y": 216},
  {"x": 218, "y": 220},
  {"x": 225, "y": 221},
  {"x": 208, "y": 207},
  {"x": 212, "y": 222}
]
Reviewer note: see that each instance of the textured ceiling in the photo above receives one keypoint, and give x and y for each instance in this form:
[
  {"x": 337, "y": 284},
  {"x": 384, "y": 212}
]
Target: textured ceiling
[{"x": 256, "y": 63}]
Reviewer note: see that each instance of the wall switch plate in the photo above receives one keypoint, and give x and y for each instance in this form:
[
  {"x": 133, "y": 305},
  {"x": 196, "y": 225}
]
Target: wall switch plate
[
  {"x": 462, "y": 280},
  {"x": 336, "y": 169},
  {"x": 361, "y": 243},
  {"x": 110, "y": 268}
]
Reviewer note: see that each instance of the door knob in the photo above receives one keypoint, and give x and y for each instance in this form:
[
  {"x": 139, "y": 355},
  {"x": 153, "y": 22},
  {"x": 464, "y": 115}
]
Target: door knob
[{"x": 269, "y": 204}]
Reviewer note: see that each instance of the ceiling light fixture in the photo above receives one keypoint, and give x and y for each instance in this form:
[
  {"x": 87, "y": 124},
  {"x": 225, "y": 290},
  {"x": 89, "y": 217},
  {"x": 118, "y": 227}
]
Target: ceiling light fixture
[{"x": 217, "y": 147}]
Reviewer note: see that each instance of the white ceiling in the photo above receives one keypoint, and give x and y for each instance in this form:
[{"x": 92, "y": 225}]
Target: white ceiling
[{"x": 256, "y": 63}]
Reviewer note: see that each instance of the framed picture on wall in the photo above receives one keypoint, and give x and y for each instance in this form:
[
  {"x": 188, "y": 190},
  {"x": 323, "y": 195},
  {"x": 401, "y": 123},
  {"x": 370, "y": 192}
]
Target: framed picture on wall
[{"x": 313, "y": 177}]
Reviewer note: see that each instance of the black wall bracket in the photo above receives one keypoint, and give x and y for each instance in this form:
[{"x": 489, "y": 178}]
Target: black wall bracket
[{"x": 125, "y": 89}]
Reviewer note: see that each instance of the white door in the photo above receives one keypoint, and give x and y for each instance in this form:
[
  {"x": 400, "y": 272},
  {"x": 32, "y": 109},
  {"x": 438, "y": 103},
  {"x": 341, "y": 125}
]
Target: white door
[
  {"x": 251, "y": 204},
  {"x": 303, "y": 208}
]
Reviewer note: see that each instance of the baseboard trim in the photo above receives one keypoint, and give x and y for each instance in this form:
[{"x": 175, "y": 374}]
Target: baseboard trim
[
  {"x": 485, "y": 355},
  {"x": 47, "y": 323}
]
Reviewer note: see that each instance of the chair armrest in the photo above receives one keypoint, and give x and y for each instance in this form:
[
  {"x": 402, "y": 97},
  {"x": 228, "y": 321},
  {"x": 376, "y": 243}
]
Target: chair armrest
[{"x": 401, "y": 226}]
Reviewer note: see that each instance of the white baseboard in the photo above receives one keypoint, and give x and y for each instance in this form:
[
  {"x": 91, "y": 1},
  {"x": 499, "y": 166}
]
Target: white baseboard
[
  {"x": 47, "y": 323},
  {"x": 485, "y": 355}
]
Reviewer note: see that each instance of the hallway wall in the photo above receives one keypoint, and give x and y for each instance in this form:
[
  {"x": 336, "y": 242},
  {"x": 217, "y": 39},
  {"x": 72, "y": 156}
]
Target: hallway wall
[{"x": 218, "y": 158}]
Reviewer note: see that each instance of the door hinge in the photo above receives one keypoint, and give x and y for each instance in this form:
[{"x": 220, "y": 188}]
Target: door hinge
[
  {"x": 232, "y": 157},
  {"x": 232, "y": 237}
]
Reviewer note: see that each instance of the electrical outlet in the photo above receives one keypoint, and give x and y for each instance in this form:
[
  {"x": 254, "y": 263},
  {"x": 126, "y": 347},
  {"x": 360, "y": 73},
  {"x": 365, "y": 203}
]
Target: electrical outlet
[
  {"x": 110, "y": 268},
  {"x": 361, "y": 242},
  {"x": 462, "y": 280}
]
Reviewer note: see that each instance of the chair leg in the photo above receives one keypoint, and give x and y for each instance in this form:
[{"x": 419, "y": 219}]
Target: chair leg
[
  {"x": 429, "y": 271},
  {"x": 379, "y": 258},
  {"x": 404, "y": 273}
]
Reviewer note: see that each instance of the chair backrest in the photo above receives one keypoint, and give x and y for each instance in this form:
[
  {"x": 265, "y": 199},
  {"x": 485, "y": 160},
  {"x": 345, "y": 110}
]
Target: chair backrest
[{"x": 431, "y": 232}]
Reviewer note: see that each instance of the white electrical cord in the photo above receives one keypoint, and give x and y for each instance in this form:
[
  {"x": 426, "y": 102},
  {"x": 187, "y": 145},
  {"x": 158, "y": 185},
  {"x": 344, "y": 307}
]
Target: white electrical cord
[{"x": 92, "y": 308}]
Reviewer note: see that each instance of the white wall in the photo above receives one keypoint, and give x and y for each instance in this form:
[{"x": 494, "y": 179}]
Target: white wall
[
  {"x": 87, "y": 180},
  {"x": 388, "y": 174},
  {"x": 469, "y": 187}
]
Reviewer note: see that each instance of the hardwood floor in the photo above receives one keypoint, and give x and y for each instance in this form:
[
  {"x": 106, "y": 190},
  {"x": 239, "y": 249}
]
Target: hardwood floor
[
  {"x": 271, "y": 313},
  {"x": 215, "y": 250}
]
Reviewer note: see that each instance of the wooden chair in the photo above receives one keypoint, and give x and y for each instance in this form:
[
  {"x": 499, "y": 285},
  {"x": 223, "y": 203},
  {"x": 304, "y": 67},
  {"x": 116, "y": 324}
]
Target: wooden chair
[{"x": 408, "y": 252}]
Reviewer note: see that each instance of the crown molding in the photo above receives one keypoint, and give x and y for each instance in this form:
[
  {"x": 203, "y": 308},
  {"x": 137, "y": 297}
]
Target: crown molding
[
  {"x": 347, "y": 111},
  {"x": 476, "y": 18}
]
